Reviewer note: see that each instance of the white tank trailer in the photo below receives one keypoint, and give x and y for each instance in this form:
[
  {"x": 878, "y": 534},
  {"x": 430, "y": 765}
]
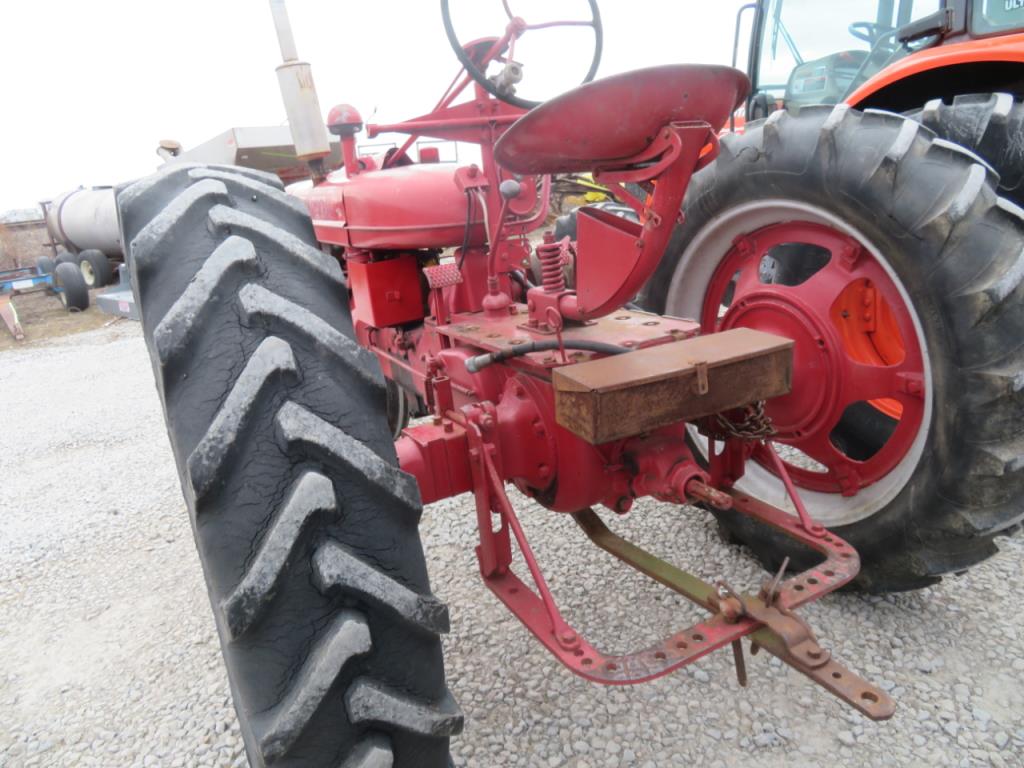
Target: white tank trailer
[{"x": 85, "y": 218}]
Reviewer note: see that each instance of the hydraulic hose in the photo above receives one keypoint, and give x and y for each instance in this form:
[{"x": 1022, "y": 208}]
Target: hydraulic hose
[{"x": 478, "y": 363}]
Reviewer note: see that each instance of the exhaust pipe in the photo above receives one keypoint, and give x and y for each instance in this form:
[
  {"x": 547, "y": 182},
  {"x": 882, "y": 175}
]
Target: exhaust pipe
[{"x": 309, "y": 134}]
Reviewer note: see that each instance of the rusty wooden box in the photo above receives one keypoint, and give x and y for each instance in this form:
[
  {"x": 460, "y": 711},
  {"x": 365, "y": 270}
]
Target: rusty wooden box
[{"x": 626, "y": 395}]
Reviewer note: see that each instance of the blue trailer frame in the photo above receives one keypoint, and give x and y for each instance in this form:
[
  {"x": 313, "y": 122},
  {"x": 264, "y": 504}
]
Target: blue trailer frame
[{"x": 17, "y": 281}]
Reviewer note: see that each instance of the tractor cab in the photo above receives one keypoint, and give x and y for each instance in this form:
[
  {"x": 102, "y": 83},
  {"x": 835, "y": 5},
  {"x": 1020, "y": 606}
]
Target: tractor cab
[{"x": 804, "y": 52}]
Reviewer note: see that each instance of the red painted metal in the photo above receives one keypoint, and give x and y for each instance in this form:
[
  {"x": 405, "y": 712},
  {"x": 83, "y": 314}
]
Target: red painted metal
[
  {"x": 616, "y": 257},
  {"x": 425, "y": 312},
  {"x": 345, "y": 121},
  {"x": 768, "y": 616},
  {"x": 664, "y": 119},
  {"x": 430, "y": 155},
  {"x": 437, "y": 455},
  {"x": 385, "y": 292},
  {"x": 627, "y": 328},
  {"x": 827, "y": 377},
  {"x": 779, "y": 466},
  {"x": 412, "y": 206},
  {"x": 622, "y": 115}
]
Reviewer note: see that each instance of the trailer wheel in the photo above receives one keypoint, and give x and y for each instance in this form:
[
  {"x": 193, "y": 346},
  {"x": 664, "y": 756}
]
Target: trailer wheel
[
  {"x": 990, "y": 125},
  {"x": 45, "y": 265},
  {"x": 95, "y": 267},
  {"x": 905, "y": 427},
  {"x": 66, "y": 257},
  {"x": 305, "y": 527},
  {"x": 71, "y": 288}
]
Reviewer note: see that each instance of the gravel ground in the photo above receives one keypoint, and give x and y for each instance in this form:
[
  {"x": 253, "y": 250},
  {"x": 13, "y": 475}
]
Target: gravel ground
[{"x": 109, "y": 656}]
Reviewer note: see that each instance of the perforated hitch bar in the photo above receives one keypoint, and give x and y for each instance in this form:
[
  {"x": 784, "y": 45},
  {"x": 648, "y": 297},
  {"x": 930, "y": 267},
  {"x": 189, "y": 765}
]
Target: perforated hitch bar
[{"x": 767, "y": 617}]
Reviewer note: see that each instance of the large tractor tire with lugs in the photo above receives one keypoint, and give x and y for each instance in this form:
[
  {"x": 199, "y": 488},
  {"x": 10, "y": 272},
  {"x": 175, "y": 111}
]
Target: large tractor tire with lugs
[
  {"x": 990, "y": 125},
  {"x": 306, "y": 528},
  {"x": 904, "y": 430}
]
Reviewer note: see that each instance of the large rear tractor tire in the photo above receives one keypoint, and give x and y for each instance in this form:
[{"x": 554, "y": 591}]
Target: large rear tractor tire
[
  {"x": 904, "y": 431},
  {"x": 306, "y": 529},
  {"x": 989, "y": 124}
]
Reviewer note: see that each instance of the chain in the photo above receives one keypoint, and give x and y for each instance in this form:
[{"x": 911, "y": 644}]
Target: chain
[{"x": 755, "y": 424}]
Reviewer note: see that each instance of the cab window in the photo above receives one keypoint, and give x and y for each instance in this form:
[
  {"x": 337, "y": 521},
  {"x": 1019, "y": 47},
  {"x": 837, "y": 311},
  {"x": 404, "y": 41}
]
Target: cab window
[
  {"x": 992, "y": 16},
  {"x": 816, "y": 53}
]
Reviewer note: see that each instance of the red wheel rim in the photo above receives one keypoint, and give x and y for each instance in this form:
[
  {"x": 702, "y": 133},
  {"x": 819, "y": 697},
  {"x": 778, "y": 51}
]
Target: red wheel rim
[{"x": 855, "y": 342}]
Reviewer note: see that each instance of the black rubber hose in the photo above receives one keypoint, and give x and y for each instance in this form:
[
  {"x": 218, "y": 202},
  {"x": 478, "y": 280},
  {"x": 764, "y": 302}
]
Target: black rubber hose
[
  {"x": 478, "y": 363},
  {"x": 469, "y": 224},
  {"x": 519, "y": 277}
]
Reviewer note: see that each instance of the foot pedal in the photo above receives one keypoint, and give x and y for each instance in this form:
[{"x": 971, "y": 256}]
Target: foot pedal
[{"x": 442, "y": 276}]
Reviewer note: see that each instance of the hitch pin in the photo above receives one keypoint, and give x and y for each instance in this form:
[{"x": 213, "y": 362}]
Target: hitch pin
[
  {"x": 771, "y": 590},
  {"x": 698, "y": 489},
  {"x": 727, "y": 592},
  {"x": 768, "y": 593},
  {"x": 741, "y": 664}
]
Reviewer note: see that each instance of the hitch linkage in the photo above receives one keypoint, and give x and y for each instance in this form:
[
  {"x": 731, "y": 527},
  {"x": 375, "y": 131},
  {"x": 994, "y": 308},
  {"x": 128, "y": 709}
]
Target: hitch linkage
[{"x": 768, "y": 618}]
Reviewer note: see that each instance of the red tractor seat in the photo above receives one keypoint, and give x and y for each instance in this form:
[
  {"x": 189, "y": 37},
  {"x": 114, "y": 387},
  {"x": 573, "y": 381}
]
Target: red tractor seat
[{"x": 617, "y": 117}]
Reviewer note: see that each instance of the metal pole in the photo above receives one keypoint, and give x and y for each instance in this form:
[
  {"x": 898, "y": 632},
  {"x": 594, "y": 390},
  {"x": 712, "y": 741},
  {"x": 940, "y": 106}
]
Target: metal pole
[
  {"x": 283, "y": 25},
  {"x": 295, "y": 78}
]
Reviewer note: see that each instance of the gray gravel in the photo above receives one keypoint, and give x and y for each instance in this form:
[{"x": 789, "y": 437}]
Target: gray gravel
[{"x": 108, "y": 655}]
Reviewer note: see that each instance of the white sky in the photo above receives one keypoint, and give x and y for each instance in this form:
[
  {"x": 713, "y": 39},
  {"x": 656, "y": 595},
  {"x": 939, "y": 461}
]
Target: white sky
[{"x": 90, "y": 87}]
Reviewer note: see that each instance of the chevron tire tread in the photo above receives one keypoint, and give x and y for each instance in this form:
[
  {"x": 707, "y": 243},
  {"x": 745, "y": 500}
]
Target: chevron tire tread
[
  {"x": 306, "y": 528},
  {"x": 989, "y": 124}
]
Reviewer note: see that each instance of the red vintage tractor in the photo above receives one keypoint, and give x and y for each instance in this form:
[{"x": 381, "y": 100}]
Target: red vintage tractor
[{"x": 292, "y": 338}]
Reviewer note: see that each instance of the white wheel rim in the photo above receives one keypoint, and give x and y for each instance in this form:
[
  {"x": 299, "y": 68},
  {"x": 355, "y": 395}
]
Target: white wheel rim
[
  {"x": 88, "y": 272},
  {"x": 685, "y": 298}
]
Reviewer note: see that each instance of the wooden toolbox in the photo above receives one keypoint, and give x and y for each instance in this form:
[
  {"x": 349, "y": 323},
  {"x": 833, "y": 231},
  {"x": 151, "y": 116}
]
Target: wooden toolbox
[{"x": 625, "y": 395}]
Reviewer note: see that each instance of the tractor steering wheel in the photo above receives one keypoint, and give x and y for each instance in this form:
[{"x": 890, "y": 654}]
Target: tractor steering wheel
[
  {"x": 516, "y": 27},
  {"x": 869, "y": 31}
]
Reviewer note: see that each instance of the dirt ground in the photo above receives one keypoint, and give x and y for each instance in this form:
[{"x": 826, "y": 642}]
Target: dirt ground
[
  {"x": 44, "y": 317},
  {"x": 109, "y": 657}
]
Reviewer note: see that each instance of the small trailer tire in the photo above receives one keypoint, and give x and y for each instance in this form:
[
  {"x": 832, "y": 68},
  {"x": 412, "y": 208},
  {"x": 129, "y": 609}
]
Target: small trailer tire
[
  {"x": 71, "y": 288},
  {"x": 95, "y": 268}
]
